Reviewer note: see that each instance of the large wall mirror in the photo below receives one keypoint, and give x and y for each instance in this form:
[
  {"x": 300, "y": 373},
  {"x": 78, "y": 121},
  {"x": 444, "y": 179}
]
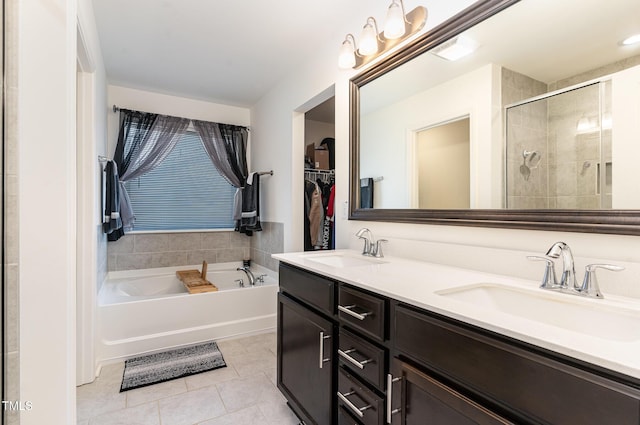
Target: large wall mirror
[{"x": 522, "y": 114}]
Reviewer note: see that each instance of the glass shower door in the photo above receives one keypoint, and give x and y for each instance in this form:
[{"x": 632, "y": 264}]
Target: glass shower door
[{"x": 558, "y": 152}]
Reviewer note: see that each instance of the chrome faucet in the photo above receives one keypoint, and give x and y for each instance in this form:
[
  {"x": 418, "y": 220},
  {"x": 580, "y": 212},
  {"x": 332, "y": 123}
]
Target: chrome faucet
[
  {"x": 250, "y": 276},
  {"x": 360, "y": 234},
  {"x": 568, "y": 278},
  {"x": 371, "y": 247},
  {"x": 376, "y": 249},
  {"x": 568, "y": 283}
]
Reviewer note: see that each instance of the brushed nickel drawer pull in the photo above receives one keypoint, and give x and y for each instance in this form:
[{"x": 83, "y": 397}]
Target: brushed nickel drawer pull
[
  {"x": 345, "y": 355},
  {"x": 390, "y": 381},
  {"x": 357, "y": 410},
  {"x": 348, "y": 309},
  {"x": 322, "y": 359}
]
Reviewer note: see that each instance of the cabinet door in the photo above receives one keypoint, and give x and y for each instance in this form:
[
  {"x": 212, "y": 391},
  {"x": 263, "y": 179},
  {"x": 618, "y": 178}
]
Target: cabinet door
[
  {"x": 416, "y": 398},
  {"x": 305, "y": 361}
]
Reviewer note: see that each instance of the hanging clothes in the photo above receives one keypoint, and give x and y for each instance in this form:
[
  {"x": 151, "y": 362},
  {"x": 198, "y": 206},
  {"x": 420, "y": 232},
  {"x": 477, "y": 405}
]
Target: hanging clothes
[
  {"x": 316, "y": 215},
  {"x": 318, "y": 227}
]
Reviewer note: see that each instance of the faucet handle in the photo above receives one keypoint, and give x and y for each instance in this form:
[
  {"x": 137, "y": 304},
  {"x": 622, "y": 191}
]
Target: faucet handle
[
  {"x": 549, "y": 280},
  {"x": 590, "y": 285},
  {"x": 377, "y": 249}
]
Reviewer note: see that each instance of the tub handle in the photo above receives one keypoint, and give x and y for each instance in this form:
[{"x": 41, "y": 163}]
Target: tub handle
[
  {"x": 240, "y": 282},
  {"x": 322, "y": 358}
]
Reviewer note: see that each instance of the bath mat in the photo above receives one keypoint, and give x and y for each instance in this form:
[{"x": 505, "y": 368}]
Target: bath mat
[{"x": 177, "y": 363}]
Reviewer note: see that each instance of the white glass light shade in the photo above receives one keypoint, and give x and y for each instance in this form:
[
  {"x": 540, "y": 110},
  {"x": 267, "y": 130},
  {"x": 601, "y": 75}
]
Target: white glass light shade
[
  {"x": 394, "y": 25},
  {"x": 369, "y": 38},
  {"x": 585, "y": 125},
  {"x": 347, "y": 55}
]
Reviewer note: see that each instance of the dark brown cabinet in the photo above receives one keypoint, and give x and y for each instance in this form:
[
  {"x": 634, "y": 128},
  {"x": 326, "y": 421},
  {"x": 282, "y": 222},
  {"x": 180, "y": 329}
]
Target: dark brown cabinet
[
  {"x": 416, "y": 398},
  {"x": 306, "y": 373},
  {"x": 348, "y": 356},
  {"x": 530, "y": 385}
]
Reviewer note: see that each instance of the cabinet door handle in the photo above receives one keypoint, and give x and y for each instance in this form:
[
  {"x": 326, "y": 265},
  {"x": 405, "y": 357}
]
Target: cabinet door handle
[
  {"x": 348, "y": 309},
  {"x": 357, "y": 410},
  {"x": 322, "y": 359},
  {"x": 390, "y": 381},
  {"x": 345, "y": 355}
]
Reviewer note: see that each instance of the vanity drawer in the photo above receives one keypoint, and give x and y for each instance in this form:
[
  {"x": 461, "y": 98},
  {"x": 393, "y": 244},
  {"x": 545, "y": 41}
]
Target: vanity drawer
[
  {"x": 308, "y": 287},
  {"x": 345, "y": 418},
  {"x": 358, "y": 400},
  {"x": 531, "y": 385},
  {"x": 362, "y": 311},
  {"x": 363, "y": 358}
]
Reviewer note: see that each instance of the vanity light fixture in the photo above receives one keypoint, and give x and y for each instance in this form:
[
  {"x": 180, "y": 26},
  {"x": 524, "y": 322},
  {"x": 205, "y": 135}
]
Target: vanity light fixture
[
  {"x": 398, "y": 27},
  {"x": 347, "y": 56},
  {"x": 456, "y": 48},
  {"x": 370, "y": 43},
  {"x": 634, "y": 39},
  {"x": 395, "y": 25},
  {"x": 585, "y": 125}
]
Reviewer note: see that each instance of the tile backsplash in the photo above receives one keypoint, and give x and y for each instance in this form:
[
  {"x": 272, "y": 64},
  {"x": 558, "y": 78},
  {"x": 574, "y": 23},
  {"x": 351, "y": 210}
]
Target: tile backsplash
[{"x": 150, "y": 250}]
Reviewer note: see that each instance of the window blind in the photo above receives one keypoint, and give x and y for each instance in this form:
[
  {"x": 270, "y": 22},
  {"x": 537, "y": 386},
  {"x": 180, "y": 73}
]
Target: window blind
[{"x": 185, "y": 192}]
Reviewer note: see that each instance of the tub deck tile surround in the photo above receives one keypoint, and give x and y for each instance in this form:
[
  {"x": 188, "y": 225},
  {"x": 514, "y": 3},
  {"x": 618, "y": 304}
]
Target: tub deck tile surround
[
  {"x": 146, "y": 250},
  {"x": 243, "y": 393}
]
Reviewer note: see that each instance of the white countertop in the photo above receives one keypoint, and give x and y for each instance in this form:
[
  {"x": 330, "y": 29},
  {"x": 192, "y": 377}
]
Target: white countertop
[{"x": 417, "y": 283}]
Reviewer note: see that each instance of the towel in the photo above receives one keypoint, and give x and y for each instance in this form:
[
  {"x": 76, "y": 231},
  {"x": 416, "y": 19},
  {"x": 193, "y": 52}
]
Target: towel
[
  {"x": 250, "y": 220},
  {"x": 366, "y": 192},
  {"x": 111, "y": 221}
]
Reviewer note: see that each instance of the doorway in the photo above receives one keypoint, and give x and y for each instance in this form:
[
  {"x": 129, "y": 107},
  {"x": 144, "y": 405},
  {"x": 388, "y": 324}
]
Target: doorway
[
  {"x": 442, "y": 155},
  {"x": 319, "y": 176}
]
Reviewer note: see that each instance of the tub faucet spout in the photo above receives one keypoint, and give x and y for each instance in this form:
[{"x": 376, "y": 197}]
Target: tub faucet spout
[{"x": 250, "y": 276}]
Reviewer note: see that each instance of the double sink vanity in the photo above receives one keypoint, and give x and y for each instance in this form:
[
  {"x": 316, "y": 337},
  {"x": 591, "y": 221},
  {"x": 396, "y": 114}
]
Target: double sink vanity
[{"x": 365, "y": 340}]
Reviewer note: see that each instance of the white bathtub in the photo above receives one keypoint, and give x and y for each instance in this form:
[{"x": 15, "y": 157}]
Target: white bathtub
[{"x": 142, "y": 311}]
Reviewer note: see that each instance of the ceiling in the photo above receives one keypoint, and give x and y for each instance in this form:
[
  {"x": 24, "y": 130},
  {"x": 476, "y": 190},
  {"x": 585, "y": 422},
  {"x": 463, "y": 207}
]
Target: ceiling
[
  {"x": 229, "y": 52},
  {"x": 548, "y": 40}
]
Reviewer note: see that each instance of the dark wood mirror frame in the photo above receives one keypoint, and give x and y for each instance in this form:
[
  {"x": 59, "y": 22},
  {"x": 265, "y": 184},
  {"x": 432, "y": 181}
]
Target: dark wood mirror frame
[{"x": 622, "y": 222}]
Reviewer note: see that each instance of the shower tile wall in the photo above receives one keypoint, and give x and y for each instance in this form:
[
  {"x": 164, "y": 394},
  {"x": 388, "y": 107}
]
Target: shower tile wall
[
  {"x": 527, "y": 130},
  {"x": 10, "y": 351},
  {"x": 143, "y": 251},
  {"x": 596, "y": 73}
]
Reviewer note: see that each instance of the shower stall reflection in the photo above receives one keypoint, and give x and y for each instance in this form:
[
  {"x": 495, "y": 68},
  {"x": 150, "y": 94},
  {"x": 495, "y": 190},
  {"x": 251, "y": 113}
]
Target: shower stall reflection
[{"x": 558, "y": 152}]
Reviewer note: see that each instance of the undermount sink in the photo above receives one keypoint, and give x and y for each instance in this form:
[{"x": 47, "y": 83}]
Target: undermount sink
[
  {"x": 585, "y": 316},
  {"x": 338, "y": 260}
]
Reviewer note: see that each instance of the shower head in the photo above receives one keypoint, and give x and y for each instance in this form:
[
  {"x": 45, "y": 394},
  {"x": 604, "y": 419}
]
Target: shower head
[{"x": 531, "y": 158}]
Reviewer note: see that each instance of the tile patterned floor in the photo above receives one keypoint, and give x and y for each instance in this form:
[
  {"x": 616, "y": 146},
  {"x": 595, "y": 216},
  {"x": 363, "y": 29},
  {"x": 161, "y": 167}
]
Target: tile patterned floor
[{"x": 243, "y": 393}]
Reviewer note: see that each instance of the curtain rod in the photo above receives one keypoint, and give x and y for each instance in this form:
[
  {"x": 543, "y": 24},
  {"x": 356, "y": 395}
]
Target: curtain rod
[
  {"x": 117, "y": 108},
  {"x": 262, "y": 173}
]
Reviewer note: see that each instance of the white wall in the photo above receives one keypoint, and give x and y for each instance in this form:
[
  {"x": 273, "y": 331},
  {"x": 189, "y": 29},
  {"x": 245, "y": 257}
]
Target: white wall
[
  {"x": 46, "y": 179},
  {"x": 388, "y": 133},
  {"x": 91, "y": 142},
  {"x": 273, "y": 116},
  {"x": 625, "y": 110},
  {"x": 275, "y": 148}
]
